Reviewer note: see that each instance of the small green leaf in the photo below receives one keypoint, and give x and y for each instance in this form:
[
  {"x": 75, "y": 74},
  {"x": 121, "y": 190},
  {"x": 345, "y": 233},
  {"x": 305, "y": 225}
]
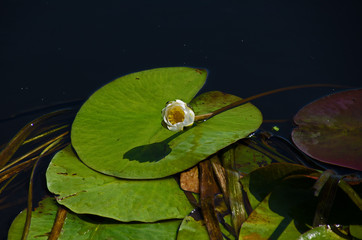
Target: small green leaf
[
  {"x": 118, "y": 130},
  {"x": 86, "y": 191},
  {"x": 84, "y": 227}
]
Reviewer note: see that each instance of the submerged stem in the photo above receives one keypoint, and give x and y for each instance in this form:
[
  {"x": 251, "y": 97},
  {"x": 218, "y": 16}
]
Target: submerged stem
[
  {"x": 325, "y": 201},
  {"x": 30, "y": 191},
  {"x": 33, "y": 151},
  {"x": 14, "y": 144},
  {"x": 236, "y": 202},
  {"x": 7, "y": 183},
  {"x": 351, "y": 193},
  {"x": 46, "y": 133}
]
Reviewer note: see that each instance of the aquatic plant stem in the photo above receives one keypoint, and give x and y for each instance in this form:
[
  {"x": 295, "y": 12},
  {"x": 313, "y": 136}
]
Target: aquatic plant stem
[
  {"x": 325, "y": 201},
  {"x": 220, "y": 174},
  {"x": 351, "y": 193},
  {"x": 234, "y": 189},
  {"x": 58, "y": 223},
  {"x": 7, "y": 183},
  {"x": 14, "y": 144},
  {"x": 208, "y": 189},
  {"x": 33, "y": 151},
  {"x": 30, "y": 192},
  {"x": 46, "y": 133},
  {"x": 25, "y": 165},
  {"x": 206, "y": 116}
]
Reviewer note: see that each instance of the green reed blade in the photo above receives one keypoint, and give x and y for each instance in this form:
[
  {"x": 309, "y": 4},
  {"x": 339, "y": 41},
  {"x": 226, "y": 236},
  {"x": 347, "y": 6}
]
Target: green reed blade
[
  {"x": 30, "y": 191},
  {"x": 19, "y": 138}
]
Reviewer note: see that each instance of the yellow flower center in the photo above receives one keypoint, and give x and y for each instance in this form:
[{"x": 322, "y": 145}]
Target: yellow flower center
[{"x": 176, "y": 115}]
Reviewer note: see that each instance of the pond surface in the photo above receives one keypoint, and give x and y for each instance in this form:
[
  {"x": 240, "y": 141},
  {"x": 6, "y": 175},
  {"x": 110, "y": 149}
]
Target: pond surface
[{"x": 56, "y": 51}]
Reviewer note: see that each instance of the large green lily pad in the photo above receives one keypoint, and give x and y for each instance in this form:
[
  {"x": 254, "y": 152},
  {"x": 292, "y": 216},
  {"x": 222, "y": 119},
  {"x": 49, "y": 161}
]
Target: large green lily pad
[
  {"x": 118, "y": 130},
  {"x": 330, "y": 129},
  {"x": 84, "y": 190},
  {"x": 83, "y": 227}
]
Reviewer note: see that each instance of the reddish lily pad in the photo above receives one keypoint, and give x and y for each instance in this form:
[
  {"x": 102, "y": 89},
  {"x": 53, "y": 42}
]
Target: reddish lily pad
[{"x": 330, "y": 129}]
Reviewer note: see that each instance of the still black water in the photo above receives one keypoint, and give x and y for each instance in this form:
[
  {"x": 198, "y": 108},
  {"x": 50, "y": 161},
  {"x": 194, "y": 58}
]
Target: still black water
[{"x": 55, "y": 51}]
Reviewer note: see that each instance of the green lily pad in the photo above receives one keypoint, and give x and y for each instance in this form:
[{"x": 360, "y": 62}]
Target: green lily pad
[
  {"x": 283, "y": 202},
  {"x": 261, "y": 182},
  {"x": 356, "y": 231},
  {"x": 284, "y": 213},
  {"x": 86, "y": 191},
  {"x": 263, "y": 223},
  {"x": 83, "y": 227},
  {"x": 248, "y": 159},
  {"x": 192, "y": 228},
  {"x": 330, "y": 129},
  {"x": 118, "y": 130},
  {"x": 320, "y": 233}
]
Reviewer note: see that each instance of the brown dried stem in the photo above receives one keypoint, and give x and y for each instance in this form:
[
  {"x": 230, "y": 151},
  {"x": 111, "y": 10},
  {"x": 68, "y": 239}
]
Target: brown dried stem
[
  {"x": 236, "y": 202},
  {"x": 208, "y": 189},
  {"x": 58, "y": 223},
  {"x": 220, "y": 174}
]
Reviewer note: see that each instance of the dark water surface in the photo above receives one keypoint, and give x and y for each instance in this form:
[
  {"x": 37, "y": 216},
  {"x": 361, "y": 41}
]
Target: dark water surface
[{"x": 54, "y": 51}]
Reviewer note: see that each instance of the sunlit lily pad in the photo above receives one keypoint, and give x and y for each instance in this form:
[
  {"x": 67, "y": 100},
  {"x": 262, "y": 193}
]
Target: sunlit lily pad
[
  {"x": 284, "y": 213},
  {"x": 118, "y": 130},
  {"x": 330, "y": 129},
  {"x": 264, "y": 223},
  {"x": 83, "y": 227},
  {"x": 320, "y": 233},
  {"x": 86, "y": 191}
]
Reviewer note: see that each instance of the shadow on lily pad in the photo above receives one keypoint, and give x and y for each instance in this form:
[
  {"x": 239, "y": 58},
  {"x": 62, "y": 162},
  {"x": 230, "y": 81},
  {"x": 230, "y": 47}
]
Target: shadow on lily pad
[{"x": 152, "y": 152}]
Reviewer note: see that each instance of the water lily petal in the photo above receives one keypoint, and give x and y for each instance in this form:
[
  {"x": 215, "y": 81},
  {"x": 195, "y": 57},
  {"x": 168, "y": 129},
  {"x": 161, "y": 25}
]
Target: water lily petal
[
  {"x": 177, "y": 115},
  {"x": 189, "y": 117}
]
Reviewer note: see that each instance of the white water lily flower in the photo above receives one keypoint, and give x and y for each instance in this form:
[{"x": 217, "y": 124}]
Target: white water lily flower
[{"x": 177, "y": 115}]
